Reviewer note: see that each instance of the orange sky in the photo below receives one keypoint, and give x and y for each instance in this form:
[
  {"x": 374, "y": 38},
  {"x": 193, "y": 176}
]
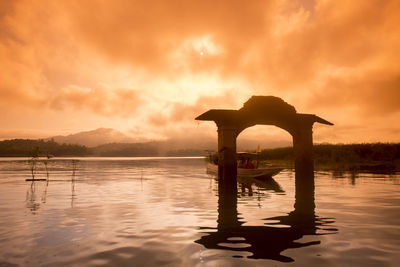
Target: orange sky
[{"x": 148, "y": 68}]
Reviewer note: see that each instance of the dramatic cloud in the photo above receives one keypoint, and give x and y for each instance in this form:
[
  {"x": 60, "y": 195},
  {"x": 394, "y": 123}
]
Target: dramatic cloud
[
  {"x": 177, "y": 112},
  {"x": 152, "y": 66},
  {"x": 103, "y": 101}
]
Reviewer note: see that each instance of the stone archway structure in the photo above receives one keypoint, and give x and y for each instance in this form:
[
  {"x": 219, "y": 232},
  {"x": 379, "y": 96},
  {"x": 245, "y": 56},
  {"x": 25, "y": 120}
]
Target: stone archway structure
[{"x": 263, "y": 110}]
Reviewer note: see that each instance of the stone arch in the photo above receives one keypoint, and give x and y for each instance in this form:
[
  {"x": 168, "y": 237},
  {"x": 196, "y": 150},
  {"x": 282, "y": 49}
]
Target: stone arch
[{"x": 263, "y": 110}]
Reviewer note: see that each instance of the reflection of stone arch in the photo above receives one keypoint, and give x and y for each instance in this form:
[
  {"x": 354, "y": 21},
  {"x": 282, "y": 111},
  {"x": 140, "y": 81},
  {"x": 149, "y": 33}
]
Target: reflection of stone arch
[{"x": 263, "y": 110}]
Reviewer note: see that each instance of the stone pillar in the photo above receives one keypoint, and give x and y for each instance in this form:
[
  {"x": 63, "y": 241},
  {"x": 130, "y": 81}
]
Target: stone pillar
[
  {"x": 227, "y": 204},
  {"x": 227, "y": 165},
  {"x": 304, "y": 167}
]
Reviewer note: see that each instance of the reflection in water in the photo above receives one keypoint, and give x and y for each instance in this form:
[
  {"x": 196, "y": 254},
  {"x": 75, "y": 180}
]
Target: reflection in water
[
  {"x": 31, "y": 202},
  {"x": 44, "y": 195},
  {"x": 353, "y": 177},
  {"x": 147, "y": 213},
  {"x": 31, "y": 198},
  {"x": 74, "y": 168},
  {"x": 246, "y": 183},
  {"x": 269, "y": 240},
  {"x": 73, "y": 195}
]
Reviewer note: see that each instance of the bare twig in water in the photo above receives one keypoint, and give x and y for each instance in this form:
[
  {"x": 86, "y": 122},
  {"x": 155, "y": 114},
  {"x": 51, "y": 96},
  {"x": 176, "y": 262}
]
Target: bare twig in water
[
  {"x": 33, "y": 162},
  {"x": 46, "y": 162},
  {"x": 32, "y": 165}
]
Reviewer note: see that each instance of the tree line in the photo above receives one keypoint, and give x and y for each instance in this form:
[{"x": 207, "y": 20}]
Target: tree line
[
  {"x": 353, "y": 157},
  {"x": 335, "y": 153},
  {"x": 31, "y": 148},
  {"x": 323, "y": 153}
]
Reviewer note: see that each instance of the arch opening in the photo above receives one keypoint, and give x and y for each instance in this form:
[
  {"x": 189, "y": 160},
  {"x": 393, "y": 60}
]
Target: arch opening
[{"x": 265, "y": 136}]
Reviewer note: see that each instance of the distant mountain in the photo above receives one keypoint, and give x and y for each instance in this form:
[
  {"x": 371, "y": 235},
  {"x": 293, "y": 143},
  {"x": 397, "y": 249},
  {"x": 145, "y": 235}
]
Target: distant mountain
[
  {"x": 112, "y": 143},
  {"x": 94, "y": 138},
  {"x": 268, "y": 143},
  {"x": 148, "y": 149},
  {"x": 116, "y": 140}
]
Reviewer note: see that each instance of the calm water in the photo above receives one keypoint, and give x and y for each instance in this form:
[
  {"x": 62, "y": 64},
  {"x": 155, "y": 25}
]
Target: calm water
[{"x": 168, "y": 212}]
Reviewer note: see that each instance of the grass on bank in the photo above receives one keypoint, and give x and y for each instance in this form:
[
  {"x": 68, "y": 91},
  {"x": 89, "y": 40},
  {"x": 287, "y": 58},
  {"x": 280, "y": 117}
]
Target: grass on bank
[{"x": 345, "y": 157}]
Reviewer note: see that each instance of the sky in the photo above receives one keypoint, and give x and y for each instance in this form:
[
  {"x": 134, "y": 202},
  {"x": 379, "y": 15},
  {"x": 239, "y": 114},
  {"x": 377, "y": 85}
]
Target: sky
[{"x": 148, "y": 68}]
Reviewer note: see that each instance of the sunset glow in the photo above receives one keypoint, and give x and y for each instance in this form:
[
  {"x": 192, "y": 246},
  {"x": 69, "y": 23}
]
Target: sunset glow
[{"x": 148, "y": 68}]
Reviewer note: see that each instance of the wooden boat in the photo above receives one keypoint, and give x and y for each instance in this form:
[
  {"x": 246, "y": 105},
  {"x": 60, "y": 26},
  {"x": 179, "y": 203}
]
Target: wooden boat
[{"x": 251, "y": 173}]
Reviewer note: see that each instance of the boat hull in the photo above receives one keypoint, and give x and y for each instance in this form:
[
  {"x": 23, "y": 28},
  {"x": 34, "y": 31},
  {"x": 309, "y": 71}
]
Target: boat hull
[{"x": 253, "y": 173}]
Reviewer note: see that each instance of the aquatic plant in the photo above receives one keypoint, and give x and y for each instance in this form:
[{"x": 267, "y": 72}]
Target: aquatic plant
[
  {"x": 46, "y": 162},
  {"x": 32, "y": 165},
  {"x": 33, "y": 162}
]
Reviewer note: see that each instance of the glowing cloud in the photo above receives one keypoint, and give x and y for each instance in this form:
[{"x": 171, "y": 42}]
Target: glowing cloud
[{"x": 131, "y": 63}]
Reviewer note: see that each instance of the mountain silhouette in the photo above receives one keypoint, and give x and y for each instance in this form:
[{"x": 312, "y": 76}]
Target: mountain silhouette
[
  {"x": 94, "y": 138},
  {"x": 103, "y": 136}
]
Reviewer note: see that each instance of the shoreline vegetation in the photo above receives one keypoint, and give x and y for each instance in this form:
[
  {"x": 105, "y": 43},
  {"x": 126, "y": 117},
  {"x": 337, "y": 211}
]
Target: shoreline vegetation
[
  {"x": 344, "y": 157},
  {"x": 371, "y": 157},
  {"x": 30, "y": 147}
]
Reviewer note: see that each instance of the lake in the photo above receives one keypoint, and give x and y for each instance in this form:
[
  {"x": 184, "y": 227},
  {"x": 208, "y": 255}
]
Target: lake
[{"x": 170, "y": 212}]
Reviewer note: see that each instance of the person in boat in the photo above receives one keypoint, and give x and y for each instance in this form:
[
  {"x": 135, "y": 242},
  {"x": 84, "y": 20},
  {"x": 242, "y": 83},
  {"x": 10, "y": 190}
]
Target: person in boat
[
  {"x": 215, "y": 161},
  {"x": 245, "y": 161},
  {"x": 249, "y": 165},
  {"x": 242, "y": 163}
]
